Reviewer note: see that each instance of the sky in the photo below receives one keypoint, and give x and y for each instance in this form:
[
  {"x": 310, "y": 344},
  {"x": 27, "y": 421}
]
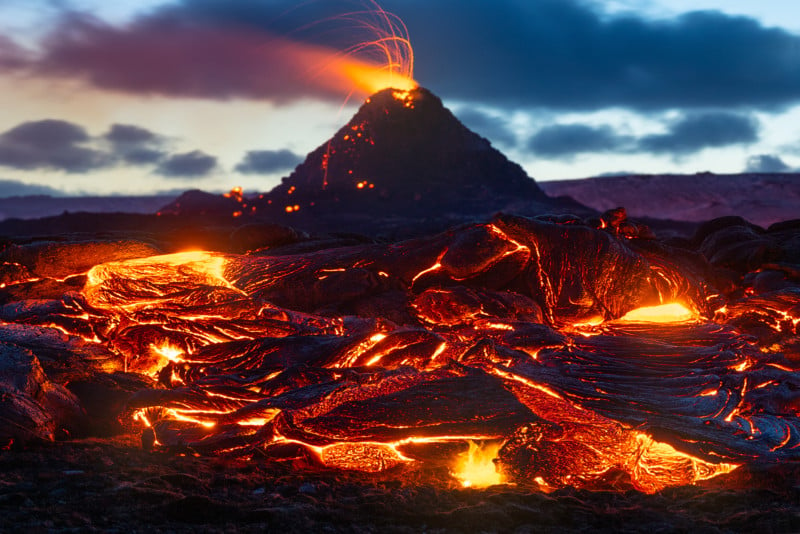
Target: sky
[{"x": 147, "y": 96}]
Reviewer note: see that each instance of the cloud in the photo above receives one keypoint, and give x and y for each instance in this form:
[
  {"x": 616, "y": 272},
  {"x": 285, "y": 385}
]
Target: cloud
[
  {"x": 688, "y": 134},
  {"x": 766, "y": 163},
  {"x": 66, "y": 146},
  {"x": 14, "y": 188},
  {"x": 178, "y": 52},
  {"x": 12, "y": 56},
  {"x": 494, "y": 128},
  {"x": 142, "y": 156},
  {"x": 693, "y": 133},
  {"x": 135, "y": 145},
  {"x": 53, "y": 144},
  {"x": 268, "y": 161},
  {"x": 46, "y": 134},
  {"x": 562, "y": 140},
  {"x": 128, "y": 134},
  {"x": 567, "y": 54},
  {"x": 187, "y": 165},
  {"x": 558, "y": 54}
]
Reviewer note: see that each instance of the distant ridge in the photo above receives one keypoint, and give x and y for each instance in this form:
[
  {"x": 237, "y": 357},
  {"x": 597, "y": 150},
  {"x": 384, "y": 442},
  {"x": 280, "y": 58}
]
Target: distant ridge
[
  {"x": 37, "y": 206},
  {"x": 763, "y": 199}
]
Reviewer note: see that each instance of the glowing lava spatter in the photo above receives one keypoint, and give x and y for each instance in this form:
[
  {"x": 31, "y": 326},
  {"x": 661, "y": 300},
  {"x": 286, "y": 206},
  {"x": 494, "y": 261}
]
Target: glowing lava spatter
[
  {"x": 384, "y": 58},
  {"x": 475, "y": 468}
]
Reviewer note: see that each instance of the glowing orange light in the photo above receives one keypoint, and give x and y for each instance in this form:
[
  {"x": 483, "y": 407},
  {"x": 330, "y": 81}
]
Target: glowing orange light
[
  {"x": 665, "y": 313},
  {"x": 235, "y": 193},
  {"x": 170, "y": 353},
  {"x": 385, "y": 59},
  {"x": 660, "y": 465},
  {"x": 475, "y": 468},
  {"x": 194, "y": 266}
]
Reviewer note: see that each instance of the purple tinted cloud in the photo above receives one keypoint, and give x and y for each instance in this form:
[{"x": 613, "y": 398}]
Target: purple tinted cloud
[
  {"x": 268, "y": 161},
  {"x": 52, "y": 144},
  {"x": 193, "y": 164},
  {"x": 558, "y": 54}
]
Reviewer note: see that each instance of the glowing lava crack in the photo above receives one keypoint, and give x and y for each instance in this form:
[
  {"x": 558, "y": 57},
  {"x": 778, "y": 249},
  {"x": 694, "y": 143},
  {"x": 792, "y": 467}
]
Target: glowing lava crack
[{"x": 490, "y": 348}]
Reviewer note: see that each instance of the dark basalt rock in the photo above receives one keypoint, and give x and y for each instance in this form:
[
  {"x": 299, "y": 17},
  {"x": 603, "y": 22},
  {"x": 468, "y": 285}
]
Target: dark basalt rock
[
  {"x": 345, "y": 342},
  {"x": 62, "y": 259},
  {"x": 201, "y": 203},
  {"x": 410, "y": 148},
  {"x": 32, "y": 408},
  {"x": 264, "y": 235}
]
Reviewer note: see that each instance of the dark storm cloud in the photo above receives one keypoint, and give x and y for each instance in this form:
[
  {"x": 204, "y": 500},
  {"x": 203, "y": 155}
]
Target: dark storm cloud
[
  {"x": 494, "y": 128},
  {"x": 696, "y": 132},
  {"x": 268, "y": 161},
  {"x": 50, "y": 144},
  {"x": 766, "y": 163},
  {"x": 570, "y": 139},
  {"x": 187, "y": 165},
  {"x": 562, "y": 54},
  {"x": 565, "y": 54}
]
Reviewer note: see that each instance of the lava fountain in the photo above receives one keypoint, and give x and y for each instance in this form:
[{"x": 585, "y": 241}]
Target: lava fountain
[{"x": 382, "y": 58}]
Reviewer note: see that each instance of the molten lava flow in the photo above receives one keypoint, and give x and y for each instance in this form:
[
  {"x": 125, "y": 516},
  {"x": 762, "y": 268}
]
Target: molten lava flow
[
  {"x": 665, "y": 313},
  {"x": 378, "y": 357},
  {"x": 167, "y": 353},
  {"x": 475, "y": 468},
  {"x": 177, "y": 270},
  {"x": 659, "y": 465}
]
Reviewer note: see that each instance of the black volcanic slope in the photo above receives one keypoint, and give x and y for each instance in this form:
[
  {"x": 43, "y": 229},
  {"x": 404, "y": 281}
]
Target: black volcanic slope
[
  {"x": 407, "y": 149},
  {"x": 403, "y": 156}
]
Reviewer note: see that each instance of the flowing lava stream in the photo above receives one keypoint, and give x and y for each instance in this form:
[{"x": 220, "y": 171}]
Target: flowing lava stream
[
  {"x": 517, "y": 351},
  {"x": 660, "y": 396}
]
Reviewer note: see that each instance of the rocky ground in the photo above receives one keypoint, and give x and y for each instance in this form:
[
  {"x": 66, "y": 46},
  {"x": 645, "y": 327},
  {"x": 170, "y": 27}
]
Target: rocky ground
[{"x": 112, "y": 485}]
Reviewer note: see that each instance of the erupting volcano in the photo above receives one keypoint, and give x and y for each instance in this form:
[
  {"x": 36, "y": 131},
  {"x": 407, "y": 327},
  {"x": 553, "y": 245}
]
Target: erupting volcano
[
  {"x": 402, "y": 164},
  {"x": 475, "y": 332}
]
